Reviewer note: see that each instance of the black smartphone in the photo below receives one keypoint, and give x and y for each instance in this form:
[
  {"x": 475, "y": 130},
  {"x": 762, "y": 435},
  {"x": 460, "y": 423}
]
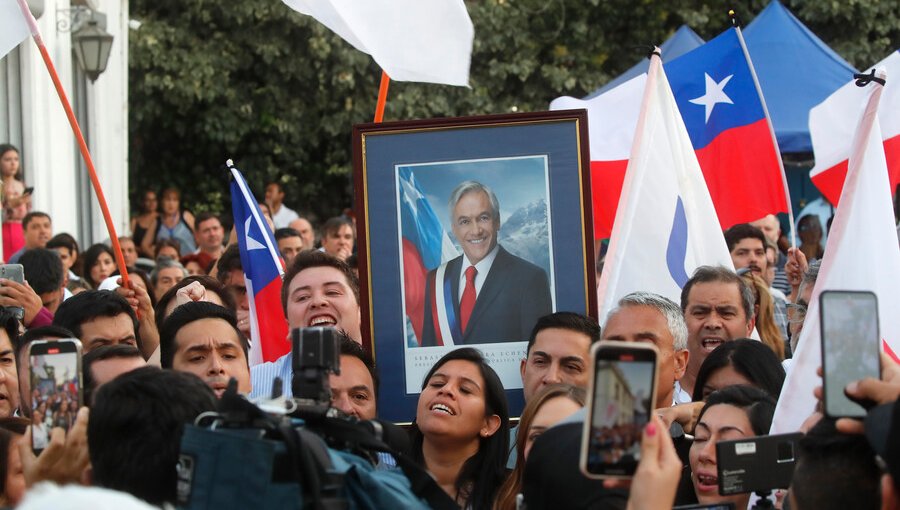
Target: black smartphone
[
  {"x": 56, "y": 387},
  {"x": 16, "y": 273},
  {"x": 710, "y": 506},
  {"x": 621, "y": 395},
  {"x": 756, "y": 464},
  {"x": 29, "y": 190},
  {"x": 851, "y": 345}
]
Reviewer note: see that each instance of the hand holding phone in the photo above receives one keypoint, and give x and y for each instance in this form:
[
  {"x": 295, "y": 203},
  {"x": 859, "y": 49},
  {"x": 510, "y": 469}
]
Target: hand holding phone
[
  {"x": 620, "y": 401},
  {"x": 56, "y": 387},
  {"x": 851, "y": 346}
]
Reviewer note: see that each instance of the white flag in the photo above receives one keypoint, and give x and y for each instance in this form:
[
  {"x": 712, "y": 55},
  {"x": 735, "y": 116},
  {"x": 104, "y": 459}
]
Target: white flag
[
  {"x": 412, "y": 40},
  {"x": 666, "y": 225},
  {"x": 13, "y": 27},
  {"x": 862, "y": 254}
]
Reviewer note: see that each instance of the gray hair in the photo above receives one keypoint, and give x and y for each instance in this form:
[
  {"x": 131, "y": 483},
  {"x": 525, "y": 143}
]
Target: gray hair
[
  {"x": 469, "y": 187},
  {"x": 668, "y": 308},
  {"x": 165, "y": 263},
  {"x": 809, "y": 277}
]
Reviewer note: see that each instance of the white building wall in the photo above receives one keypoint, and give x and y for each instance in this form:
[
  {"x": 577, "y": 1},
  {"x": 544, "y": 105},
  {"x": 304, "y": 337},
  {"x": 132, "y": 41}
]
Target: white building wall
[{"x": 50, "y": 154}]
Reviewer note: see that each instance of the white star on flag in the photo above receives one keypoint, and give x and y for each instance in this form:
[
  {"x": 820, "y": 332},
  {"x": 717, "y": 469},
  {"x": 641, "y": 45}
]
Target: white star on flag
[
  {"x": 715, "y": 94},
  {"x": 252, "y": 244}
]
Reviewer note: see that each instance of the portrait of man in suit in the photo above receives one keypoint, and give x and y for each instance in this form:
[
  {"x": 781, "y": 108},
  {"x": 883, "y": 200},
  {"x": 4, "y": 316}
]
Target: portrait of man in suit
[{"x": 487, "y": 294}]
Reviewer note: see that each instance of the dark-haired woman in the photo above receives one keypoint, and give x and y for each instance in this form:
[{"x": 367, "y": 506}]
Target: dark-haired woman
[
  {"x": 743, "y": 361},
  {"x": 15, "y": 201},
  {"x": 461, "y": 433}
]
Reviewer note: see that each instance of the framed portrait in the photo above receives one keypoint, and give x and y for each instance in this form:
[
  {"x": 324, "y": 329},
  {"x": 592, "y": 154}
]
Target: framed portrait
[{"x": 469, "y": 230}]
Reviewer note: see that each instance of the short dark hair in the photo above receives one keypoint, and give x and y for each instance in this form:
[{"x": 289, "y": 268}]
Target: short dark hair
[
  {"x": 91, "y": 255},
  {"x": 63, "y": 240},
  {"x": 32, "y": 215},
  {"x": 90, "y": 304},
  {"x": 209, "y": 282},
  {"x": 844, "y": 463},
  {"x": 100, "y": 354},
  {"x": 284, "y": 233},
  {"x": 167, "y": 241},
  {"x": 229, "y": 261},
  {"x": 751, "y": 358},
  {"x": 277, "y": 183},
  {"x": 741, "y": 231},
  {"x": 565, "y": 320},
  {"x": 10, "y": 323},
  {"x": 186, "y": 314},
  {"x": 203, "y": 217},
  {"x": 43, "y": 270},
  {"x": 32, "y": 334},
  {"x": 333, "y": 225},
  {"x": 134, "y": 434},
  {"x": 350, "y": 347},
  {"x": 759, "y": 405},
  {"x": 310, "y": 259},
  {"x": 708, "y": 274}
]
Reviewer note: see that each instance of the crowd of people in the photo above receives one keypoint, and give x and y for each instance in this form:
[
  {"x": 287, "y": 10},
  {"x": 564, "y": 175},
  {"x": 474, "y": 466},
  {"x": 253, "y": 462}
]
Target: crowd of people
[{"x": 159, "y": 351}]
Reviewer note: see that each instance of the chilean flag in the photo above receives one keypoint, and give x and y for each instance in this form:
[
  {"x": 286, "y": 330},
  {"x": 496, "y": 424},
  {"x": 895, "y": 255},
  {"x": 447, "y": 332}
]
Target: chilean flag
[
  {"x": 262, "y": 273},
  {"x": 721, "y": 107},
  {"x": 831, "y": 132},
  {"x": 725, "y": 118},
  {"x": 425, "y": 247},
  {"x": 665, "y": 227},
  {"x": 13, "y": 25}
]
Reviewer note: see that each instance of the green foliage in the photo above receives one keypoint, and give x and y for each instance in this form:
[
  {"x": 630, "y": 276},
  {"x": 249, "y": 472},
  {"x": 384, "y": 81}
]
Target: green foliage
[{"x": 278, "y": 92}]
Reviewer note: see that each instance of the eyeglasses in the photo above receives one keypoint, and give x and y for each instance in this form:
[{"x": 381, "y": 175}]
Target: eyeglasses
[{"x": 796, "y": 313}]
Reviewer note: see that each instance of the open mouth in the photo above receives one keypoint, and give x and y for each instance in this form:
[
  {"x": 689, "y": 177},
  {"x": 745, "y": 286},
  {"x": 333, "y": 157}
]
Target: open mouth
[
  {"x": 441, "y": 408},
  {"x": 710, "y": 344},
  {"x": 707, "y": 482},
  {"x": 322, "y": 320}
]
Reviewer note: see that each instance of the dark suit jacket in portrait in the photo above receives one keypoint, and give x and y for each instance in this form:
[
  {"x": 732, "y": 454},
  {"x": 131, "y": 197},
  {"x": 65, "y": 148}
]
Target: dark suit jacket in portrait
[{"x": 514, "y": 295}]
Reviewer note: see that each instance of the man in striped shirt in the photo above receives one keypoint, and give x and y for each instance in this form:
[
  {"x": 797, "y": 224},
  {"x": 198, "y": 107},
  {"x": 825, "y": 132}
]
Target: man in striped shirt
[{"x": 318, "y": 290}]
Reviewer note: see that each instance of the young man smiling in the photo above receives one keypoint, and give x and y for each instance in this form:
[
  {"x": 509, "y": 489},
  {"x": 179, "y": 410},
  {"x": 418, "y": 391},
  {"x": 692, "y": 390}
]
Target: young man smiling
[{"x": 318, "y": 290}]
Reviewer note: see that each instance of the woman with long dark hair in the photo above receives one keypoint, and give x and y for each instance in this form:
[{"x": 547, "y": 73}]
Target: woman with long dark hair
[
  {"x": 742, "y": 361},
  {"x": 461, "y": 434},
  {"x": 99, "y": 264}
]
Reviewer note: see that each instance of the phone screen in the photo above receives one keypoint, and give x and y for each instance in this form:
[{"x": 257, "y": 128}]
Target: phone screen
[
  {"x": 850, "y": 346},
  {"x": 622, "y": 398},
  {"x": 55, "y": 387}
]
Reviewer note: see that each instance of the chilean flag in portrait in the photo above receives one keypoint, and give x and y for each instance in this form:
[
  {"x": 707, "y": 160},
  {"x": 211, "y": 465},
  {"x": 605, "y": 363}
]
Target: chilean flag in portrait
[
  {"x": 425, "y": 247},
  {"x": 721, "y": 108},
  {"x": 263, "y": 273}
]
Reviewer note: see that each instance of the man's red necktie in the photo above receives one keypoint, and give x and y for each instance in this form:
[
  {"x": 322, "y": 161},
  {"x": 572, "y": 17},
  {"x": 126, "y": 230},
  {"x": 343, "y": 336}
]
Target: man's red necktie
[{"x": 468, "y": 298}]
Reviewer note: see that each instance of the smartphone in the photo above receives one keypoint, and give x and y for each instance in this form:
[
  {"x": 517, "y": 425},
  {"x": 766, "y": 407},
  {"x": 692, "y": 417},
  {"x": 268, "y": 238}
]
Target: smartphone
[
  {"x": 16, "y": 273},
  {"x": 56, "y": 386},
  {"x": 29, "y": 190},
  {"x": 756, "y": 464},
  {"x": 851, "y": 345},
  {"x": 621, "y": 396},
  {"x": 710, "y": 506}
]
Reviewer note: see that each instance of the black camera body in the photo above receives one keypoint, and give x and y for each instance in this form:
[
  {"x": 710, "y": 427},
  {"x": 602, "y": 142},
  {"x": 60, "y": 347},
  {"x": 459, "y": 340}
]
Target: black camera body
[
  {"x": 756, "y": 464},
  {"x": 315, "y": 354}
]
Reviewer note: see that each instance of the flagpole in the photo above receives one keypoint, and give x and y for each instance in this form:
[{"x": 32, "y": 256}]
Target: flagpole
[
  {"x": 762, "y": 100},
  {"x": 82, "y": 145},
  {"x": 382, "y": 97}
]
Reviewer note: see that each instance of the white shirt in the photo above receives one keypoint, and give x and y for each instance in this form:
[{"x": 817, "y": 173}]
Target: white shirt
[
  {"x": 284, "y": 216},
  {"x": 483, "y": 267},
  {"x": 680, "y": 396}
]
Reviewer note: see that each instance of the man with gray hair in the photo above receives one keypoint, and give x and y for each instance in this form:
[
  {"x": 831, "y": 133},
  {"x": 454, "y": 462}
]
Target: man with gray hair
[
  {"x": 651, "y": 318},
  {"x": 166, "y": 274},
  {"x": 493, "y": 295}
]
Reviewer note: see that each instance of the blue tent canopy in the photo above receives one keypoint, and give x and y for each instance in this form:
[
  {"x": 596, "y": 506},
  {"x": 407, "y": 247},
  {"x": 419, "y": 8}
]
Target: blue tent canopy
[
  {"x": 682, "y": 41},
  {"x": 796, "y": 72}
]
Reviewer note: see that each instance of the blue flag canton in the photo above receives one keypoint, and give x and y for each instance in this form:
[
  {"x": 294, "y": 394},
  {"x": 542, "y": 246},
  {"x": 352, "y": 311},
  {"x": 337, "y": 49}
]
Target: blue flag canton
[
  {"x": 256, "y": 257},
  {"x": 714, "y": 89}
]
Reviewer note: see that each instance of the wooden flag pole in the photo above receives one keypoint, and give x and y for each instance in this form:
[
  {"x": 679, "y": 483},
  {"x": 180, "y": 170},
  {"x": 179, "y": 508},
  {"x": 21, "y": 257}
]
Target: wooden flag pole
[
  {"x": 382, "y": 97},
  {"x": 82, "y": 145}
]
